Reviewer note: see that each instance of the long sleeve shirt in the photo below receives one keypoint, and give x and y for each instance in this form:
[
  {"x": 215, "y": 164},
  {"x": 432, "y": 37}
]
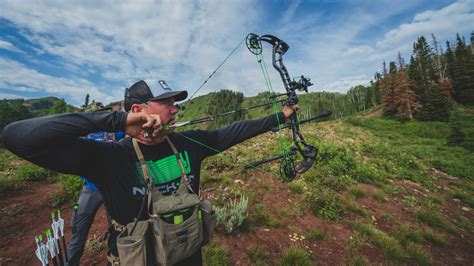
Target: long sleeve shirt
[{"x": 56, "y": 142}]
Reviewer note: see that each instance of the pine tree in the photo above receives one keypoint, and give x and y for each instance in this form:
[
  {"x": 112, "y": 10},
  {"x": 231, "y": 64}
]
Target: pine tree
[
  {"x": 387, "y": 87},
  {"x": 406, "y": 102},
  {"x": 463, "y": 71},
  {"x": 86, "y": 101},
  {"x": 456, "y": 136},
  {"x": 427, "y": 88},
  {"x": 440, "y": 67}
]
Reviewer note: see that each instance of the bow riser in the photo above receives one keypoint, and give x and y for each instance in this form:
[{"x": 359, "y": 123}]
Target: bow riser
[{"x": 308, "y": 152}]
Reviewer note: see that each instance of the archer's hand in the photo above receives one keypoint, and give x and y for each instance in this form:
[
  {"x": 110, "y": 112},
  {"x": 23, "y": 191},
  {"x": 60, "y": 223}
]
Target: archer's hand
[
  {"x": 289, "y": 110},
  {"x": 139, "y": 124}
]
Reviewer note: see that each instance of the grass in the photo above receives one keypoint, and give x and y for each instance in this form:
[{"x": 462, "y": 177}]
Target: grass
[
  {"x": 352, "y": 206},
  {"x": 295, "y": 257},
  {"x": 359, "y": 261},
  {"x": 410, "y": 200},
  {"x": 405, "y": 234},
  {"x": 326, "y": 204},
  {"x": 412, "y": 147},
  {"x": 467, "y": 198},
  {"x": 357, "y": 193},
  {"x": 297, "y": 186},
  {"x": 215, "y": 255},
  {"x": 433, "y": 237},
  {"x": 379, "y": 196},
  {"x": 390, "y": 246},
  {"x": 432, "y": 219},
  {"x": 263, "y": 217},
  {"x": 315, "y": 234},
  {"x": 374, "y": 151},
  {"x": 418, "y": 254},
  {"x": 257, "y": 255},
  {"x": 465, "y": 224}
]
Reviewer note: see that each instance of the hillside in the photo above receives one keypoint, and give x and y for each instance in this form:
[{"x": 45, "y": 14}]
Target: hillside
[
  {"x": 311, "y": 104},
  {"x": 381, "y": 192},
  {"x": 38, "y": 106}
]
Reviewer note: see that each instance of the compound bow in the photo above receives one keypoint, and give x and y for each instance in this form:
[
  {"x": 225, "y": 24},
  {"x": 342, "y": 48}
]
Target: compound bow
[
  {"x": 308, "y": 153},
  {"x": 288, "y": 169}
]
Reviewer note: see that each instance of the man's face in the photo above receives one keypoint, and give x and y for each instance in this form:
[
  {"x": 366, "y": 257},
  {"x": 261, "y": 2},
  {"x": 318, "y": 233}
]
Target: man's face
[{"x": 166, "y": 109}]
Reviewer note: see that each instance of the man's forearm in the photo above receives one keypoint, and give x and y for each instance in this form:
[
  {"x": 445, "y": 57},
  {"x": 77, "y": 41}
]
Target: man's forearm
[
  {"x": 50, "y": 136},
  {"x": 243, "y": 130}
]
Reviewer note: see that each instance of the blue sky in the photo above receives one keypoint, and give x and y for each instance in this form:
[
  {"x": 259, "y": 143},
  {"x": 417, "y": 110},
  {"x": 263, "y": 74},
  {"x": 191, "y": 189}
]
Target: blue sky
[{"x": 69, "y": 49}]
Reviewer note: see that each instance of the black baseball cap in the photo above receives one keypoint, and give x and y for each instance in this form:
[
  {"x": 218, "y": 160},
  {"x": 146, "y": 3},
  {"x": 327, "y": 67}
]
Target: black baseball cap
[{"x": 150, "y": 90}]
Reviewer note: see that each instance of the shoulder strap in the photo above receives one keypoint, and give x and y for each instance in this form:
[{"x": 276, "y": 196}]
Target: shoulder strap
[
  {"x": 139, "y": 153},
  {"x": 146, "y": 174},
  {"x": 184, "y": 177}
]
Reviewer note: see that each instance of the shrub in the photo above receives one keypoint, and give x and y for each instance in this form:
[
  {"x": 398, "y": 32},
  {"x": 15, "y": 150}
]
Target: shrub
[
  {"x": 232, "y": 214},
  {"x": 57, "y": 199},
  {"x": 71, "y": 185},
  {"x": 297, "y": 186},
  {"x": 32, "y": 172},
  {"x": 337, "y": 183},
  {"x": 4, "y": 161}
]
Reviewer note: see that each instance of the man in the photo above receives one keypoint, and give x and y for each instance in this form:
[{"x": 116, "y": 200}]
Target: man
[
  {"x": 87, "y": 206},
  {"x": 54, "y": 142}
]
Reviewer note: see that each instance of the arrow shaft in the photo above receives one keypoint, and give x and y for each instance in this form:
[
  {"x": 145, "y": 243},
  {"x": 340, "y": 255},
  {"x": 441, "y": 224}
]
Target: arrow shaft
[{"x": 212, "y": 118}]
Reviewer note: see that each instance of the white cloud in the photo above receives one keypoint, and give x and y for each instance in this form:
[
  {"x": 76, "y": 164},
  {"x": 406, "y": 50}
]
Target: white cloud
[
  {"x": 444, "y": 23},
  {"x": 347, "y": 82},
  {"x": 119, "y": 42},
  {"x": 338, "y": 51},
  {"x": 126, "y": 41},
  {"x": 362, "y": 49},
  {"x": 8, "y": 46},
  {"x": 18, "y": 77},
  {"x": 10, "y": 96}
]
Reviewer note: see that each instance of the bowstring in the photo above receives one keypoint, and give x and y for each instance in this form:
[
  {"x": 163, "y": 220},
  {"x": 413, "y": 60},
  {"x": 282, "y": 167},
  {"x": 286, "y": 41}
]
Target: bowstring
[
  {"x": 283, "y": 145},
  {"x": 203, "y": 84},
  {"x": 225, "y": 154},
  {"x": 219, "y": 66}
]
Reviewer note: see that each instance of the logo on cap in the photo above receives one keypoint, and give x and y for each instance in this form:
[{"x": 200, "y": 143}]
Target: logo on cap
[{"x": 164, "y": 85}]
